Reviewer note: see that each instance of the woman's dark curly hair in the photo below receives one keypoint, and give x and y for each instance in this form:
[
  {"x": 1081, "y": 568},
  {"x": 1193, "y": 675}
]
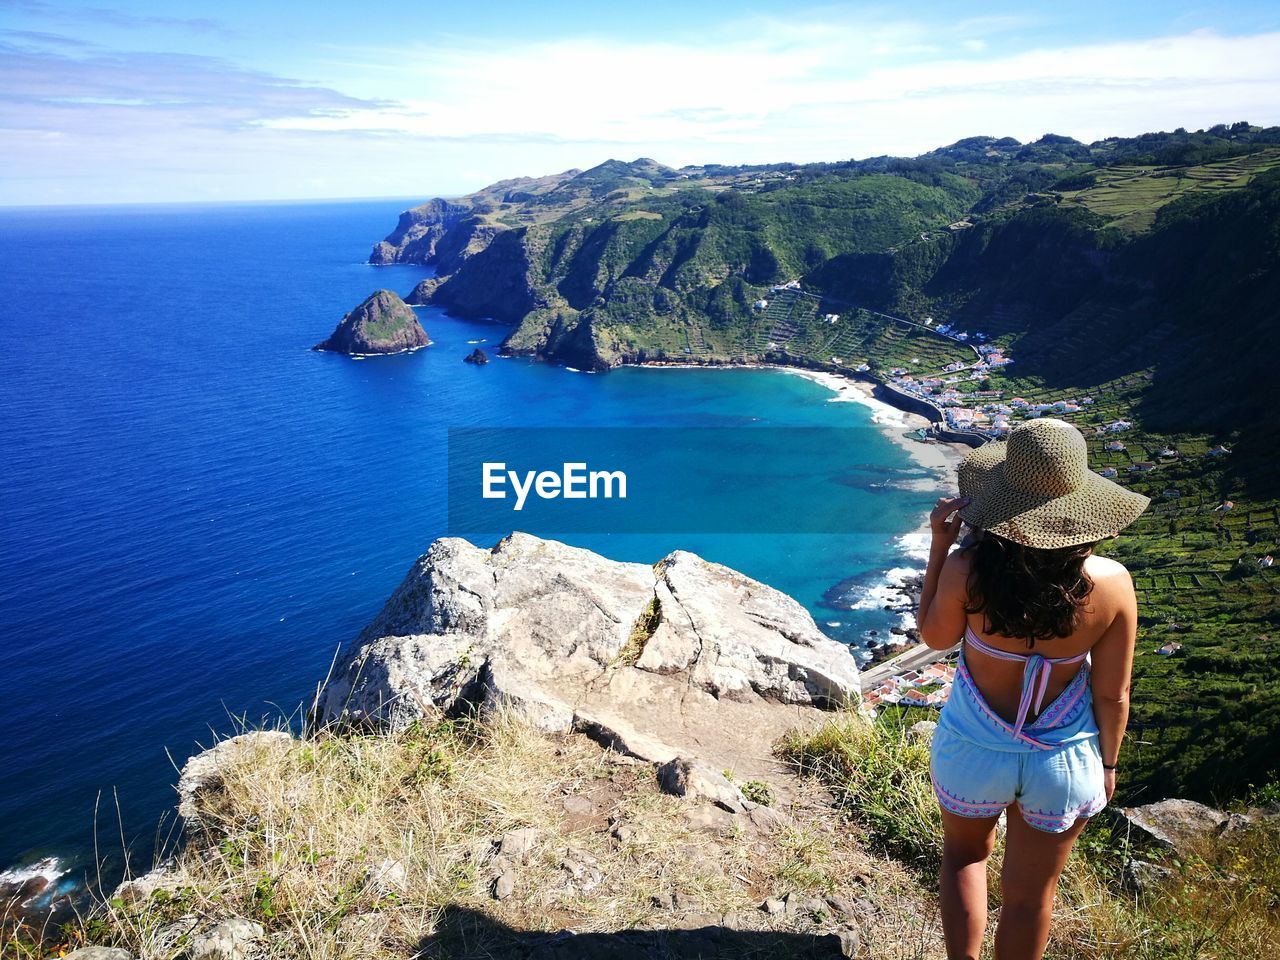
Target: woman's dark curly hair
[{"x": 1026, "y": 592}]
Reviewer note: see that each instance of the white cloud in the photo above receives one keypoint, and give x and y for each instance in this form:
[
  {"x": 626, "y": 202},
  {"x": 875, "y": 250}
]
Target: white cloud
[
  {"x": 84, "y": 124},
  {"x": 802, "y": 100}
]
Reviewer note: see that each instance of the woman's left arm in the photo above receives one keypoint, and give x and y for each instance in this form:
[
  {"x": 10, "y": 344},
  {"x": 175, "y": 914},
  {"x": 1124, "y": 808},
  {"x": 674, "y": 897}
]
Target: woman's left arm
[{"x": 941, "y": 617}]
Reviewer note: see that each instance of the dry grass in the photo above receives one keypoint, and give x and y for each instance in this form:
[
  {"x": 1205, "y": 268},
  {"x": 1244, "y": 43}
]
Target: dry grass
[{"x": 362, "y": 846}]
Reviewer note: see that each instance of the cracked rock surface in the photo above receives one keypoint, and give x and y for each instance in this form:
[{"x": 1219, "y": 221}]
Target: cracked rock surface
[{"x": 684, "y": 658}]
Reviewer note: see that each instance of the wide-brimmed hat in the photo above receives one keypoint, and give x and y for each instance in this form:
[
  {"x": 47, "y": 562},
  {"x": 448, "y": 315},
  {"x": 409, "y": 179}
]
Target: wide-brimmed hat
[{"x": 1036, "y": 489}]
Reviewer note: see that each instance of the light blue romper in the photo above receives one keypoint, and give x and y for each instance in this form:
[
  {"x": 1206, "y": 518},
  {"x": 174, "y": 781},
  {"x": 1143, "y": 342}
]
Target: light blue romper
[{"x": 1051, "y": 767}]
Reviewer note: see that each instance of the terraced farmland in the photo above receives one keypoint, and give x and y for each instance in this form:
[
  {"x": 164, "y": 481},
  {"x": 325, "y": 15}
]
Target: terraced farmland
[
  {"x": 1130, "y": 195},
  {"x": 856, "y": 336}
]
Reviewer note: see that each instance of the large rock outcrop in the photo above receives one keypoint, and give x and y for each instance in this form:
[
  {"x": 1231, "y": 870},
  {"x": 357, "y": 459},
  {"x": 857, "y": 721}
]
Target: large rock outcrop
[
  {"x": 383, "y": 323},
  {"x": 682, "y": 659}
]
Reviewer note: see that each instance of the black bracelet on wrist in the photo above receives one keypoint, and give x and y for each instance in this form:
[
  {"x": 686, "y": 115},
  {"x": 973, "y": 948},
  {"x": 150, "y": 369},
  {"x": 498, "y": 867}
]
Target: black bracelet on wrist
[{"x": 1109, "y": 766}]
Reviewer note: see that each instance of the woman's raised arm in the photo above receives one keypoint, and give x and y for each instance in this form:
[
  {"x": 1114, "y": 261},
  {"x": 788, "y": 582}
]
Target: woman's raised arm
[{"x": 941, "y": 617}]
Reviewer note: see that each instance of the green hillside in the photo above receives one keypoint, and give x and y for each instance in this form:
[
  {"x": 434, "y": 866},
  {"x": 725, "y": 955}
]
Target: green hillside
[{"x": 1138, "y": 272}]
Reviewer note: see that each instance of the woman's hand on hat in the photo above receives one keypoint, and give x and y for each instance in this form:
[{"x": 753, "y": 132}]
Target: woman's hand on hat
[{"x": 944, "y": 521}]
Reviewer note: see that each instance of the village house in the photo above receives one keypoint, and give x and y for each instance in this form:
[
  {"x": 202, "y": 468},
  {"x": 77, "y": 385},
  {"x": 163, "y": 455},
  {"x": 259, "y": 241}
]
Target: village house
[
  {"x": 1169, "y": 649},
  {"x": 1107, "y": 472},
  {"x": 1115, "y": 445},
  {"x": 1142, "y": 466},
  {"x": 1117, "y": 425}
]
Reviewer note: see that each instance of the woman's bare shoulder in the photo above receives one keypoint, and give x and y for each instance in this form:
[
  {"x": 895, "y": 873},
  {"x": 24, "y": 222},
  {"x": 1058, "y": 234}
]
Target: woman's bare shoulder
[
  {"x": 1110, "y": 577},
  {"x": 1104, "y": 568}
]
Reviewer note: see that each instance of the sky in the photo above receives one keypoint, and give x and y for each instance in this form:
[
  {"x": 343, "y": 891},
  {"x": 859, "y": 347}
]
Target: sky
[{"x": 135, "y": 102}]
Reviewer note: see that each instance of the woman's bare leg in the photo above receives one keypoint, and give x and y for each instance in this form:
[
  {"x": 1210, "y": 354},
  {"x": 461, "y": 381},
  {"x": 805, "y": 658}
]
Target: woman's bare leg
[
  {"x": 1033, "y": 861},
  {"x": 962, "y": 882}
]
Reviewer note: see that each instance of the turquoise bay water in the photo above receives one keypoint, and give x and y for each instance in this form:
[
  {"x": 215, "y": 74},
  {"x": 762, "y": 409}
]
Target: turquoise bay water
[{"x": 198, "y": 511}]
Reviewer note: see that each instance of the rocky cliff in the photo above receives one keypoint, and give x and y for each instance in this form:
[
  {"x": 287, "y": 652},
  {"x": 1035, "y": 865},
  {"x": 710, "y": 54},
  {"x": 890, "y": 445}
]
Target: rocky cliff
[
  {"x": 683, "y": 659},
  {"x": 383, "y": 323},
  {"x": 420, "y": 229}
]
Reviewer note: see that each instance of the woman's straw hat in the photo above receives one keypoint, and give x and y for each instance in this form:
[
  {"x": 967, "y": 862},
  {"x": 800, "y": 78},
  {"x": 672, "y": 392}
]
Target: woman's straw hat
[{"x": 1036, "y": 489}]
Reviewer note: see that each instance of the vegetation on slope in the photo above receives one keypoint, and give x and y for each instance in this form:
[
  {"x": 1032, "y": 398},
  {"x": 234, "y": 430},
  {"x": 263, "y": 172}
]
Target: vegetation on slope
[{"x": 466, "y": 839}]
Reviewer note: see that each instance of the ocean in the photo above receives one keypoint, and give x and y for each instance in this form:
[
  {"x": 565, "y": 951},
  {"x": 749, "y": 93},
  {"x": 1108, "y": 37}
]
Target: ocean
[{"x": 197, "y": 510}]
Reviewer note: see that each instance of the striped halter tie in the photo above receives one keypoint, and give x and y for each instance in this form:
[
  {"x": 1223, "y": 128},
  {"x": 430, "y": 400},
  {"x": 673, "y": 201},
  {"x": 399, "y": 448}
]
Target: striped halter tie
[{"x": 1035, "y": 675}]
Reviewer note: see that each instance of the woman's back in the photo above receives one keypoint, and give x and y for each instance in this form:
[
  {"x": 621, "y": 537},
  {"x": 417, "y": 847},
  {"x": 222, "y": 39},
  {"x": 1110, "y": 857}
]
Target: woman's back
[
  {"x": 1000, "y": 681},
  {"x": 1029, "y": 732}
]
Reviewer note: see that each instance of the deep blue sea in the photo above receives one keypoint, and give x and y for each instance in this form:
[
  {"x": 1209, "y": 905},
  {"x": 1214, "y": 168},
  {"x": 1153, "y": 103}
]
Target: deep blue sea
[{"x": 196, "y": 510}]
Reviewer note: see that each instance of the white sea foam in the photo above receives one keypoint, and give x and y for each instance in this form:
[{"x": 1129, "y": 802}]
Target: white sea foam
[
  {"x": 849, "y": 391},
  {"x": 886, "y": 590},
  {"x": 50, "y": 868},
  {"x": 914, "y": 545}
]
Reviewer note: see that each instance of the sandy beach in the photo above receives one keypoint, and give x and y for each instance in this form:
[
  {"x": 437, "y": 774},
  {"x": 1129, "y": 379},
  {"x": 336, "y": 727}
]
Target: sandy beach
[{"x": 939, "y": 457}]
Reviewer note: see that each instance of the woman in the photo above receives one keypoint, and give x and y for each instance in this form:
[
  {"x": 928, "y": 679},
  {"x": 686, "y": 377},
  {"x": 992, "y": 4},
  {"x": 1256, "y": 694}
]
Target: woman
[{"x": 1040, "y": 701}]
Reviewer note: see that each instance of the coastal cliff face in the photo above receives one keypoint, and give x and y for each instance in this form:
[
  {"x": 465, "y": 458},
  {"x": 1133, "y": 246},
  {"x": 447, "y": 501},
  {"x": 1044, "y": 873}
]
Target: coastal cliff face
[
  {"x": 492, "y": 280},
  {"x": 383, "y": 323},
  {"x": 444, "y": 232},
  {"x": 637, "y": 262},
  {"x": 684, "y": 658},
  {"x": 419, "y": 230}
]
